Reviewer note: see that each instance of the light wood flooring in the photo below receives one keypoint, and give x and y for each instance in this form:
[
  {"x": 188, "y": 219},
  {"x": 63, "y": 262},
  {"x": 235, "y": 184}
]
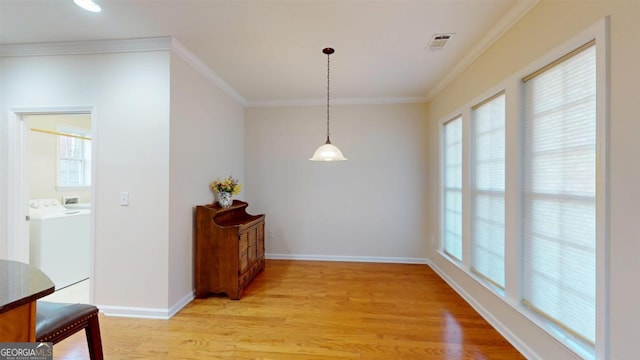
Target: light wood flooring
[{"x": 312, "y": 310}]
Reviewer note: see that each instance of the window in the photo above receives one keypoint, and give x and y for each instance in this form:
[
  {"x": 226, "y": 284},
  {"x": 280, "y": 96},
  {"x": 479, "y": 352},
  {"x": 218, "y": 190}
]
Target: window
[
  {"x": 74, "y": 157},
  {"x": 452, "y": 194},
  {"x": 487, "y": 189},
  {"x": 559, "y": 217},
  {"x": 524, "y": 193}
]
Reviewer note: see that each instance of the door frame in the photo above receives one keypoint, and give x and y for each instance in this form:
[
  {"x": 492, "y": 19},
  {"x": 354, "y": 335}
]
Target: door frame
[{"x": 18, "y": 177}]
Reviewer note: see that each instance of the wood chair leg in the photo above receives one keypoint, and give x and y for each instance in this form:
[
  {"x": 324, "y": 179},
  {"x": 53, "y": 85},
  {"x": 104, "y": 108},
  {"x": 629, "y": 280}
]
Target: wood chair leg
[{"x": 93, "y": 338}]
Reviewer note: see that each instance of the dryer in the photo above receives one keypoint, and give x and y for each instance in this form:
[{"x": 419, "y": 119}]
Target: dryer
[{"x": 59, "y": 241}]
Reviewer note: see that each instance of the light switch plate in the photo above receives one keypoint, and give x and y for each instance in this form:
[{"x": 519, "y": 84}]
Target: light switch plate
[{"x": 124, "y": 198}]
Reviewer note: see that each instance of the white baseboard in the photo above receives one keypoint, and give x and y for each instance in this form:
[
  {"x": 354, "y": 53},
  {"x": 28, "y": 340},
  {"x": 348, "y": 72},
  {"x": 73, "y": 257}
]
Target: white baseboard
[
  {"x": 159, "y": 313},
  {"x": 182, "y": 303},
  {"x": 377, "y": 259},
  {"x": 505, "y": 331},
  {"x": 147, "y": 313}
]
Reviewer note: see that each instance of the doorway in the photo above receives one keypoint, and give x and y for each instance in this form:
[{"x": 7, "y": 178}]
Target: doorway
[{"x": 57, "y": 166}]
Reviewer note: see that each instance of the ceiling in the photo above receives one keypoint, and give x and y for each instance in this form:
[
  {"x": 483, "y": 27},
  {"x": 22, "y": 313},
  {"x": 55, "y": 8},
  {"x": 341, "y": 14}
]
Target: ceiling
[{"x": 270, "y": 52}]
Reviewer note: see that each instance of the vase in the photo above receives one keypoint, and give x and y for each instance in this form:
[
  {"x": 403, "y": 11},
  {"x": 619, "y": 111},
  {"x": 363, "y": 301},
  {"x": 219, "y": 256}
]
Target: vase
[{"x": 224, "y": 199}]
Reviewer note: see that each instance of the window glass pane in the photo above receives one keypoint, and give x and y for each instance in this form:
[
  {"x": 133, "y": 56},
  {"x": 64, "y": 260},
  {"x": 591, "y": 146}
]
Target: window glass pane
[
  {"x": 488, "y": 168},
  {"x": 452, "y": 192},
  {"x": 559, "y": 235},
  {"x": 74, "y": 158}
]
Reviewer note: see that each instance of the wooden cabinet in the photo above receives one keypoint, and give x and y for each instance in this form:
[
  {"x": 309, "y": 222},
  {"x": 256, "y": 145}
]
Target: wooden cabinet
[{"x": 229, "y": 249}]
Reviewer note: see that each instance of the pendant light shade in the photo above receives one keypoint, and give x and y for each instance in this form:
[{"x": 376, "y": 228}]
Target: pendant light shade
[
  {"x": 328, "y": 151},
  {"x": 88, "y": 5}
]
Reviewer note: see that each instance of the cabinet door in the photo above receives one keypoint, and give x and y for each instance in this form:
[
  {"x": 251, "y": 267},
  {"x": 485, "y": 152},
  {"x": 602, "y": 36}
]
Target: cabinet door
[
  {"x": 253, "y": 232},
  {"x": 260, "y": 241},
  {"x": 243, "y": 252}
]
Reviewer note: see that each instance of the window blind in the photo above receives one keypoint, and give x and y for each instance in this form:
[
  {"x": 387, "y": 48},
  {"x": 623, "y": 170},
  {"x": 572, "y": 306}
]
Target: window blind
[
  {"x": 74, "y": 159},
  {"x": 452, "y": 201},
  {"x": 488, "y": 168},
  {"x": 559, "y": 214}
]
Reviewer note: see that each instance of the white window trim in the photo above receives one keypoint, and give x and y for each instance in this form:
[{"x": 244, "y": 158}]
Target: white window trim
[
  {"x": 441, "y": 247},
  {"x": 513, "y": 189}
]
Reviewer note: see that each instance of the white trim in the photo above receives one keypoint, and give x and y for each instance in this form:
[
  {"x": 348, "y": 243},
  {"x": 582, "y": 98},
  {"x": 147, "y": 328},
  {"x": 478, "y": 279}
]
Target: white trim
[
  {"x": 338, "y": 101},
  {"x": 545, "y": 328},
  {"x": 512, "y": 86},
  {"x": 166, "y": 43},
  {"x": 86, "y": 47},
  {"x": 18, "y": 196},
  {"x": 16, "y": 190},
  {"x": 180, "y": 304},
  {"x": 504, "y": 330},
  {"x": 147, "y": 313},
  {"x": 463, "y": 248},
  {"x": 513, "y": 193},
  {"x": 135, "y": 312},
  {"x": 372, "y": 259},
  {"x": 169, "y": 43},
  {"x": 515, "y": 13},
  {"x": 53, "y": 110},
  {"x": 191, "y": 59},
  {"x": 465, "y": 257},
  {"x": 603, "y": 66}
]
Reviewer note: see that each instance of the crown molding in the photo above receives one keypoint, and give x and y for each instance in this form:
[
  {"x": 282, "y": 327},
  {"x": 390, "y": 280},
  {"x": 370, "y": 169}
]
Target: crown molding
[
  {"x": 339, "y": 101},
  {"x": 166, "y": 43},
  {"x": 169, "y": 43},
  {"x": 508, "y": 20},
  {"x": 191, "y": 59},
  {"x": 86, "y": 47}
]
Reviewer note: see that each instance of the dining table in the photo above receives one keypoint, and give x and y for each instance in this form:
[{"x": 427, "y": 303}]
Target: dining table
[{"x": 21, "y": 285}]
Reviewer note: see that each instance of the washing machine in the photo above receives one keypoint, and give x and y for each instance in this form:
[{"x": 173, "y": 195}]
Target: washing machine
[
  {"x": 59, "y": 241},
  {"x": 73, "y": 202}
]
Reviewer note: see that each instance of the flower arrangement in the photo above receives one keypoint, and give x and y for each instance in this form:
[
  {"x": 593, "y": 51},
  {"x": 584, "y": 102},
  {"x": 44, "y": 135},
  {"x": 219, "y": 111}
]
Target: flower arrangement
[{"x": 230, "y": 185}]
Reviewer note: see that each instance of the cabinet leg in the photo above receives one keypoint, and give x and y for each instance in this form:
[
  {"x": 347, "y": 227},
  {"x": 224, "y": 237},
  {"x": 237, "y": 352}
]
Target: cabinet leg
[{"x": 236, "y": 295}]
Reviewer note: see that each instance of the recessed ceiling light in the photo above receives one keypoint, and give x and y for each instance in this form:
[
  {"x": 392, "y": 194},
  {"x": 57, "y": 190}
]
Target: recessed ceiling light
[{"x": 88, "y": 5}]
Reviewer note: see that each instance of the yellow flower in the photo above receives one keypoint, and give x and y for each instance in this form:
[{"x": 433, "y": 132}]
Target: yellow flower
[{"x": 229, "y": 184}]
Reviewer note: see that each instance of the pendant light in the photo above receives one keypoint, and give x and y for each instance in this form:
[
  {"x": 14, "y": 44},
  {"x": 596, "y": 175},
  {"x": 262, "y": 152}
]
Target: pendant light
[{"x": 328, "y": 151}]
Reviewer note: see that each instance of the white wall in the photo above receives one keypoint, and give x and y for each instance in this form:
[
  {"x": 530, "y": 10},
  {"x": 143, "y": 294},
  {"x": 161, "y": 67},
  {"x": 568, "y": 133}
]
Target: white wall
[
  {"x": 549, "y": 24},
  {"x": 207, "y": 142},
  {"x": 367, "y": 208},
  {"x": 130, "y": 92}
]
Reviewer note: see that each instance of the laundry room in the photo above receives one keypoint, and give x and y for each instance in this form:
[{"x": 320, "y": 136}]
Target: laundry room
[{"x": 60, "y": 188}]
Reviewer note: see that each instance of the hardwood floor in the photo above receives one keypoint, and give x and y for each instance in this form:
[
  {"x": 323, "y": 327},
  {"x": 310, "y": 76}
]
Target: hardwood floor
[{"x": 313, "y": 310}]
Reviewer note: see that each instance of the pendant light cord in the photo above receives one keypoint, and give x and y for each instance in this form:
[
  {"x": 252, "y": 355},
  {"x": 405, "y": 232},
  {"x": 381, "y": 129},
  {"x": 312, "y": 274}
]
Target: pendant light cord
[
  {"x": 328, "y": 83},
  {"x": 328, "y": 151}
]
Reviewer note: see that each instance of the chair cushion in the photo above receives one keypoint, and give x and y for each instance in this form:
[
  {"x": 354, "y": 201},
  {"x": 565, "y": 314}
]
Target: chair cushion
[{"x": 57, "y": 317}]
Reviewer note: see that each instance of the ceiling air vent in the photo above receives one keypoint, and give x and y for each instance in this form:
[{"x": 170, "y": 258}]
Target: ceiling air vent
[{"x": 438, "y": 41}]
